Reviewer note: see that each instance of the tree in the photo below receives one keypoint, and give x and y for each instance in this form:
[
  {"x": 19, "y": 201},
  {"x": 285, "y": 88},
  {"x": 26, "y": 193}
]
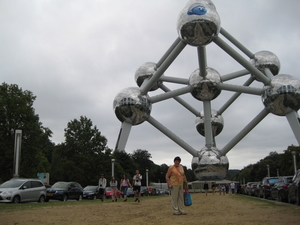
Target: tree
[
  {"x": 84, "y": 155},
  {"x": 17, "y": 112}
]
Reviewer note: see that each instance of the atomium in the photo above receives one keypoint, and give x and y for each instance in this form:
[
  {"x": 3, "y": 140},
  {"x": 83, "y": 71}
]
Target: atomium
[{"x": 199, "y": 25}]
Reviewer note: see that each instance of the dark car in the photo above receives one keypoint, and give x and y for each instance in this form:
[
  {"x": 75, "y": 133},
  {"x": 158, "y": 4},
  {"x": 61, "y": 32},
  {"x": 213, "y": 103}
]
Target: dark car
[
  {"x": 251, "y": 188},
  {"x": 266, "y": 184},
  {"x": 294, "y": 189},
  {"x": 90, "y": 192},
  {"x": 65, "y": 190},
  {"x": 280, "y": 189}
]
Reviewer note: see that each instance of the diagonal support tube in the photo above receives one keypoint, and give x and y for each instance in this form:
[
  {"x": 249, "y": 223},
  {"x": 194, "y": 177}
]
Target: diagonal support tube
[
  {"x": 171, "y": 94},
  {"x": 164, "y": 66},
  {"x": 293, "y": 120},
  {"x": 181, "y": 101},
  {"x": 171, "y": 135},
  {"x": 123, "y": 136},
  {"x": 245, "y": 131},
  {"x": 260, "y": 76}
]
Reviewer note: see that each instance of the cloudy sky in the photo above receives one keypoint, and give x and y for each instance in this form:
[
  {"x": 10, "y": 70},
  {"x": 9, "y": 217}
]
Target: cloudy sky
[{"x": 76, "y": 55}]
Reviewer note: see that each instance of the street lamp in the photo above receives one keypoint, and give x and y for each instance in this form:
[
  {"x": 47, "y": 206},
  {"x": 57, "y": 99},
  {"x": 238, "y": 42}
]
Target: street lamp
[
  {"x": 18, "y": 140},
  {"x": 268, "y": 166},
  {"x": 147, "y": 177},
  {"x": 294, "y": 157},
  {"x": 112, "y": 167}
]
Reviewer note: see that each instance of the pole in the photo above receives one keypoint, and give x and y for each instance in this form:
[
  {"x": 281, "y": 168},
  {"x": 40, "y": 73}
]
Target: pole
[
  {"x": 112, "y": 167},
  {"x": 294, "y": 157},
  {"x": 18, "y": 140},
  {"x": 147, "y": 177},
  {"x": 268, "y": 166}
]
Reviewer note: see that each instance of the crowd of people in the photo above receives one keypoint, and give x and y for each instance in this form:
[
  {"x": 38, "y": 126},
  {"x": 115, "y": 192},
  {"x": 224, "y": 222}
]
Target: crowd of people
[
  {"x": 229, "y": 188},
  {"x": 124, "y": 185}
]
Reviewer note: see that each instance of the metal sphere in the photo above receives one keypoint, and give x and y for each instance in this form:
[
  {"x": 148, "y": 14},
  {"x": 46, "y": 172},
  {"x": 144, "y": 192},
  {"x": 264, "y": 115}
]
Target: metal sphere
[
  {"x": 266, "y": 59},
  {"x": 205, "y": 87},
  {"x": 130, "y": 105},
  {"x": 146, "y": 71},
  {"x": 210, "y": 165},
  {"x": 198, "y": 23},
  {"x": 282, "y": 94},
  {"x": 217, "y": 123}
]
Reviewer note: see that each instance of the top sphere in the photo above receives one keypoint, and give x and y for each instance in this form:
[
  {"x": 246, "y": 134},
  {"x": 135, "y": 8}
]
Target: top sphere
[
  {"x": 198, "y": 23},
  {"x": 146, "y": 71},
  {"x": 130, "y": 105}
]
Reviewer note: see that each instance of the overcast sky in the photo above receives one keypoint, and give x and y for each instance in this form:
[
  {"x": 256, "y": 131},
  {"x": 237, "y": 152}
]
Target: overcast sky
[{"x": 76, "y": 55}]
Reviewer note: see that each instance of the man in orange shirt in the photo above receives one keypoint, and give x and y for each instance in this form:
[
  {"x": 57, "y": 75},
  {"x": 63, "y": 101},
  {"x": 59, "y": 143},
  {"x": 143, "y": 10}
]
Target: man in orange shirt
[{"x": 175, "y": 177}]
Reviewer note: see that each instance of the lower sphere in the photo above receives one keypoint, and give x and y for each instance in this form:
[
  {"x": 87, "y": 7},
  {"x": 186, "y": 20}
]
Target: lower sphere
[{"x": 210, "y": 165}]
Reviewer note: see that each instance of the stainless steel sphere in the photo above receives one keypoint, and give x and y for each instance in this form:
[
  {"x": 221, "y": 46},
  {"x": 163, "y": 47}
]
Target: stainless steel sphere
[
  {"x": 205, "y": 87},
  {"x": 217, "y": 123},
  {"x": 146, "y": 71},
  {"x": 198, "y": 23},
  {"x": 282, "y": 95},
  {"x": 130, "y": 105},
  {"x": 266, "y": 59},
  {"x": 210, "y": 165}
]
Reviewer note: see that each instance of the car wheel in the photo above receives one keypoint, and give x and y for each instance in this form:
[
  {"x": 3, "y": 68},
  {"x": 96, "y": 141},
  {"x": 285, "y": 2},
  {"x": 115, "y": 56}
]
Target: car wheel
[
  {"x": 79, "y": 198},
  {"x": 42, "y": 199},
  {"x": 16, "y": 199},
  {"x": 64, "y": 198}
]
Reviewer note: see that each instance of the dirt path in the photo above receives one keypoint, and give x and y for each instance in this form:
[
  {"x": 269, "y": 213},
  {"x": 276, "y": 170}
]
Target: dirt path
[{"x": 212, "y": 209}]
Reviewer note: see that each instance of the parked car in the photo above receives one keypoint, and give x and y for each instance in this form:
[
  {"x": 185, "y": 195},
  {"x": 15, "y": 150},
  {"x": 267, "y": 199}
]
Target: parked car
[
  {"x": 144, "y": 191},
  {"x": 108, "y": 193},
  {"x": 257, "y": 190},
  {"x": 90, "y": 192},
  {"x": 266, "y": 184},
  {"x": 65, "y": 190},
  {"x": 249, "y": 188},
  {"x": 294, "y": 189},
  {"x": 130, "y": 192},
  {"x": 23, "y": 190},
  {"x": 280, "y": 189}
]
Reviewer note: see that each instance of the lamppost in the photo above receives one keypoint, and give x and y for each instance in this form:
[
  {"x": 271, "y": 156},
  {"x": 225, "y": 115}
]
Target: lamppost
[
  {"x": 294, "y": 157},
  {"x": 112, "y": 167},
  {"x": 268, "y": 166},
  {"x": 18, "y": 140},
  {"x": 277, "y": 172},
  {"x": 147, "y": 177}
]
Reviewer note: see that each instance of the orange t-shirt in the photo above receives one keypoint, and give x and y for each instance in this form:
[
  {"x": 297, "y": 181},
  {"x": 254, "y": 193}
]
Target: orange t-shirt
[{"x": 176, "y": 178}]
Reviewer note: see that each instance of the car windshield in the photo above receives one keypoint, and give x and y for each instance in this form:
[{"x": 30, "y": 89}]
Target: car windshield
[
  {"x": 12, "y": 184},
  {"x": 60, "y": 185},
  {"x": 90, "y": 188},
  {"x": 272, "y": 180}
]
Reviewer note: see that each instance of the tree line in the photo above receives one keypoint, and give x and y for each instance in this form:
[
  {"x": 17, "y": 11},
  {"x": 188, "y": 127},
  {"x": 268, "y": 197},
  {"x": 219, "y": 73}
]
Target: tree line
[
  {"x": 82, "y": 157},
  {"x": 274, "y": 164}
]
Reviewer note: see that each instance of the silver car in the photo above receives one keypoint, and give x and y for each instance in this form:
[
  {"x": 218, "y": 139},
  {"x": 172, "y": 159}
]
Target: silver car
[{"x": 23, "y": 190}]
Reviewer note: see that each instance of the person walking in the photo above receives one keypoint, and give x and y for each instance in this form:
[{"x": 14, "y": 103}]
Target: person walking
[
  {"x": 124, "y": 184},
  {"x": 137, "y": 183},
  {"x": 175, "y": 177},
  {"x": 114, "y": 188},
  {"x": 205, "y": 187},
  {"x": 101, "y": 187}
]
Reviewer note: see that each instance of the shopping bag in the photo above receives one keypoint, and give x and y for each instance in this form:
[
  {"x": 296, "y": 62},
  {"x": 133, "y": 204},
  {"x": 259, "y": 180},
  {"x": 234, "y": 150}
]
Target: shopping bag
[{"x": 187, "y": 198}]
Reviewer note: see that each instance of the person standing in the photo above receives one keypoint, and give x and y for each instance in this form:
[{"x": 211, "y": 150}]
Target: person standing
[
  {"x": 213, "y": 187},
  {"x": 232, "y": 187},
  {"x": 101, "y": 187},
  {"x": 124, "y": 184},
  {"x": 114, "y": 188},
  {"x": 175, "y": 177},
  {"x": 137, "y": 183},
  {"x": 205, "y": 187}
]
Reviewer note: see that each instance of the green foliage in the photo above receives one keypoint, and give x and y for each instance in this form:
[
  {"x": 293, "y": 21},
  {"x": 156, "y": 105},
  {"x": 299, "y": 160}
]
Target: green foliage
[
  {"x": 17, "y": 112},
  {"x": 281, "y": 164}
]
